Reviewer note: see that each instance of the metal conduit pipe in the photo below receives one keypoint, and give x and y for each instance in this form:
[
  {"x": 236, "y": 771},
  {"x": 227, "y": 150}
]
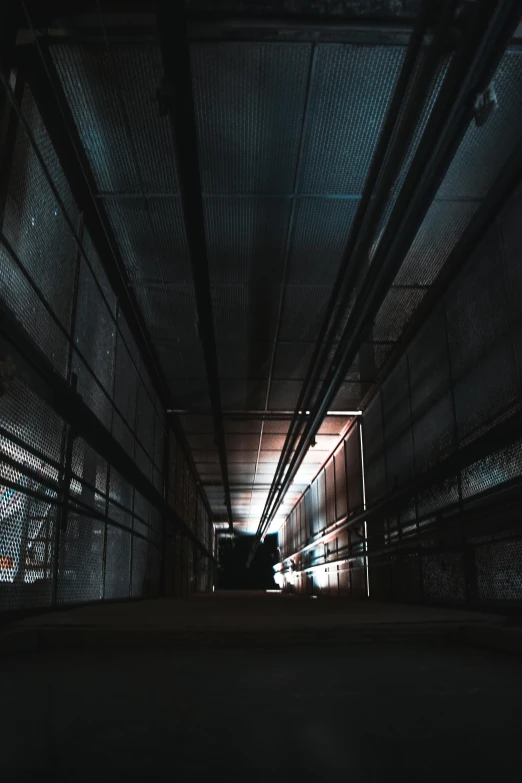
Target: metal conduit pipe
[
  {"x": 472, "y": 68},
  {"x": 325, "y": 340},
  {"x": 341, "y": 287},
  {"x": 392, "y": 148}
]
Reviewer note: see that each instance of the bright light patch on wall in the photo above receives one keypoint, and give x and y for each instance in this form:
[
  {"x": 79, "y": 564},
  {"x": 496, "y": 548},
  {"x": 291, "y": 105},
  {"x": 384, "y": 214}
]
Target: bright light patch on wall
[{"x": 364, "y": 509}]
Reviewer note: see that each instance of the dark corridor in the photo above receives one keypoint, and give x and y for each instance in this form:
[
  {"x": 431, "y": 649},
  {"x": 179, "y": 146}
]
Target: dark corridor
[
  {"x": 260, "y": 389},
  {"x": 232, "y": 572}
]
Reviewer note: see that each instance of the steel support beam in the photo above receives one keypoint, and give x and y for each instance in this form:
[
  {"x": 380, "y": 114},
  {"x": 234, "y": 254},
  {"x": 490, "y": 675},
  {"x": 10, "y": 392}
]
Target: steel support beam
[
  {"x": 133, "y": 21},
  {"x": 179, "y": 102}
]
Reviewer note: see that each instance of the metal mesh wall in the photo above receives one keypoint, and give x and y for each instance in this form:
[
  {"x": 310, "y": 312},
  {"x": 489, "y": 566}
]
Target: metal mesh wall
[
  {"x": 427, "y": 460},
  {"x": 318, "y": 552},
  {"x": 185, "y": 497},
  {"x": 71, "y": 528},
  {"x": 456, "y": 386}
]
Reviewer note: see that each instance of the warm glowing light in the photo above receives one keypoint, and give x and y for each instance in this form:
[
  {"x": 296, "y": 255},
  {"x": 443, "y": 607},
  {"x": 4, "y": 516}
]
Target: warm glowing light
[{"x": 364, "y": 509}]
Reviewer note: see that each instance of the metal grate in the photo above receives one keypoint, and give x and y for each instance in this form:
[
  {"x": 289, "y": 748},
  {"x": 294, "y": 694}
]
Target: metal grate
[
  {"x": 151, "y": 238},
  {"x": 117, "y": 569},
  {"x": 246, "y": 239},
  {"x": 440, "y": 231},
  {"x": 509, "y": 228},
  {"x": 481, "y": 351},
  {"x": 169, "y": 313},
  {"x": 140, "y": 570},
  {"x": 395, "y": 313},
  {"x": 320, "y": 231},
  {"x": 98, "y": 272},
  {"x": 30, "y": 446},
  {"x": 438, "y": 496},
  {"x": 492, "y": 143},
  {"x": 493, "y": 471},
  {"x": 44, "y": 249},
  {"x": 250, "y": 101},
  {"x": 304, "y": 309},
  {"x": 350, "y": 90},
  {"x": 431, "y": 399},
  {"x": 39, "y": 507},
  {"x": 112, "y": 94},
  {"x": 348, "y": 398},
  {"x": 499, "y": 570},
  {"x": 94, "y": 337},
  {"x": 80, "y": 574},
  {"x": 443, "y": 578}
]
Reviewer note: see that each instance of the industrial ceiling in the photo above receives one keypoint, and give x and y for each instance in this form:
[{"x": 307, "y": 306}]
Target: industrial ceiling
[{"x": 270, "y": 141}]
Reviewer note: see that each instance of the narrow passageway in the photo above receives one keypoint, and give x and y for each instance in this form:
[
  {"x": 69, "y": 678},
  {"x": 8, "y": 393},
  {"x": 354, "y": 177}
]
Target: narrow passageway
[{"x": 260, "y": 390}]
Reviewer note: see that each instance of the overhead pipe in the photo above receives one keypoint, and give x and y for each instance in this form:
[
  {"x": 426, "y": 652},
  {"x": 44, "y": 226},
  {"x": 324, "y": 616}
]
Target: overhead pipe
[
  {"x": 383, "y": 172},
  {"x": 474, "y": 64},
  {"x": 472, "y": 68}
]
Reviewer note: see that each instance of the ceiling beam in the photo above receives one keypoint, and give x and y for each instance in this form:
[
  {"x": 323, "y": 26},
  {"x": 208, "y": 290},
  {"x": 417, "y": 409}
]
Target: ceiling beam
[
  {"x": 133, "y": 21},
  {"x": 178, "y": 102}
]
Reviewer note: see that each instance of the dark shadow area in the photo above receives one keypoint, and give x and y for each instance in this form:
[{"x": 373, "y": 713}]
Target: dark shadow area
[
  {"x": 423, "y": 711},
  {"x": 232, "y": 573}
]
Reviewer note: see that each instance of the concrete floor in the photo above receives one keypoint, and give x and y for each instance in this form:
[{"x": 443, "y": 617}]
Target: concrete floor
[
  {"x": 253, "y": 610},
  {"x": 335, "y": 703}
]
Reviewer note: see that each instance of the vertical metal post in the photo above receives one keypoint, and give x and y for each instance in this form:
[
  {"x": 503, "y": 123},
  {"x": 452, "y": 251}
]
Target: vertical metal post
[
  {"x": 68, "y": 435},
  {"x": 8, "y": 128},
  {"x": 182, "y": 489},
  {"x": 74, "y": 304},
  {"x": 166, "y": 467},
  {"x": 452, "y": 393},
  {"x": 138, "y": 384},
  {"x": 108, "y": 486},
  {"x": 414, "y": 470},
  {"x": 104, "y": 554},
  {"x": 467, "y": 550},
  {"x": 335, "y": 488},
  {"x": 195, "y": 560},
  {"x": 363, "y": 487},
  {"x": 501, "y": 243},
  {"x": 63, "y": 511}
]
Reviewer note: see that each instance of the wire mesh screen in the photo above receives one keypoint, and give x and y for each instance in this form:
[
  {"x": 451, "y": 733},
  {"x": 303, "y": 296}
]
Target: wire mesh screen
[
  {"x": 455, "y": 393},
  {"x": 72, "y": 529},
  {"x": 442, "y": 459},
  {"x": 30, "y": 447}
]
